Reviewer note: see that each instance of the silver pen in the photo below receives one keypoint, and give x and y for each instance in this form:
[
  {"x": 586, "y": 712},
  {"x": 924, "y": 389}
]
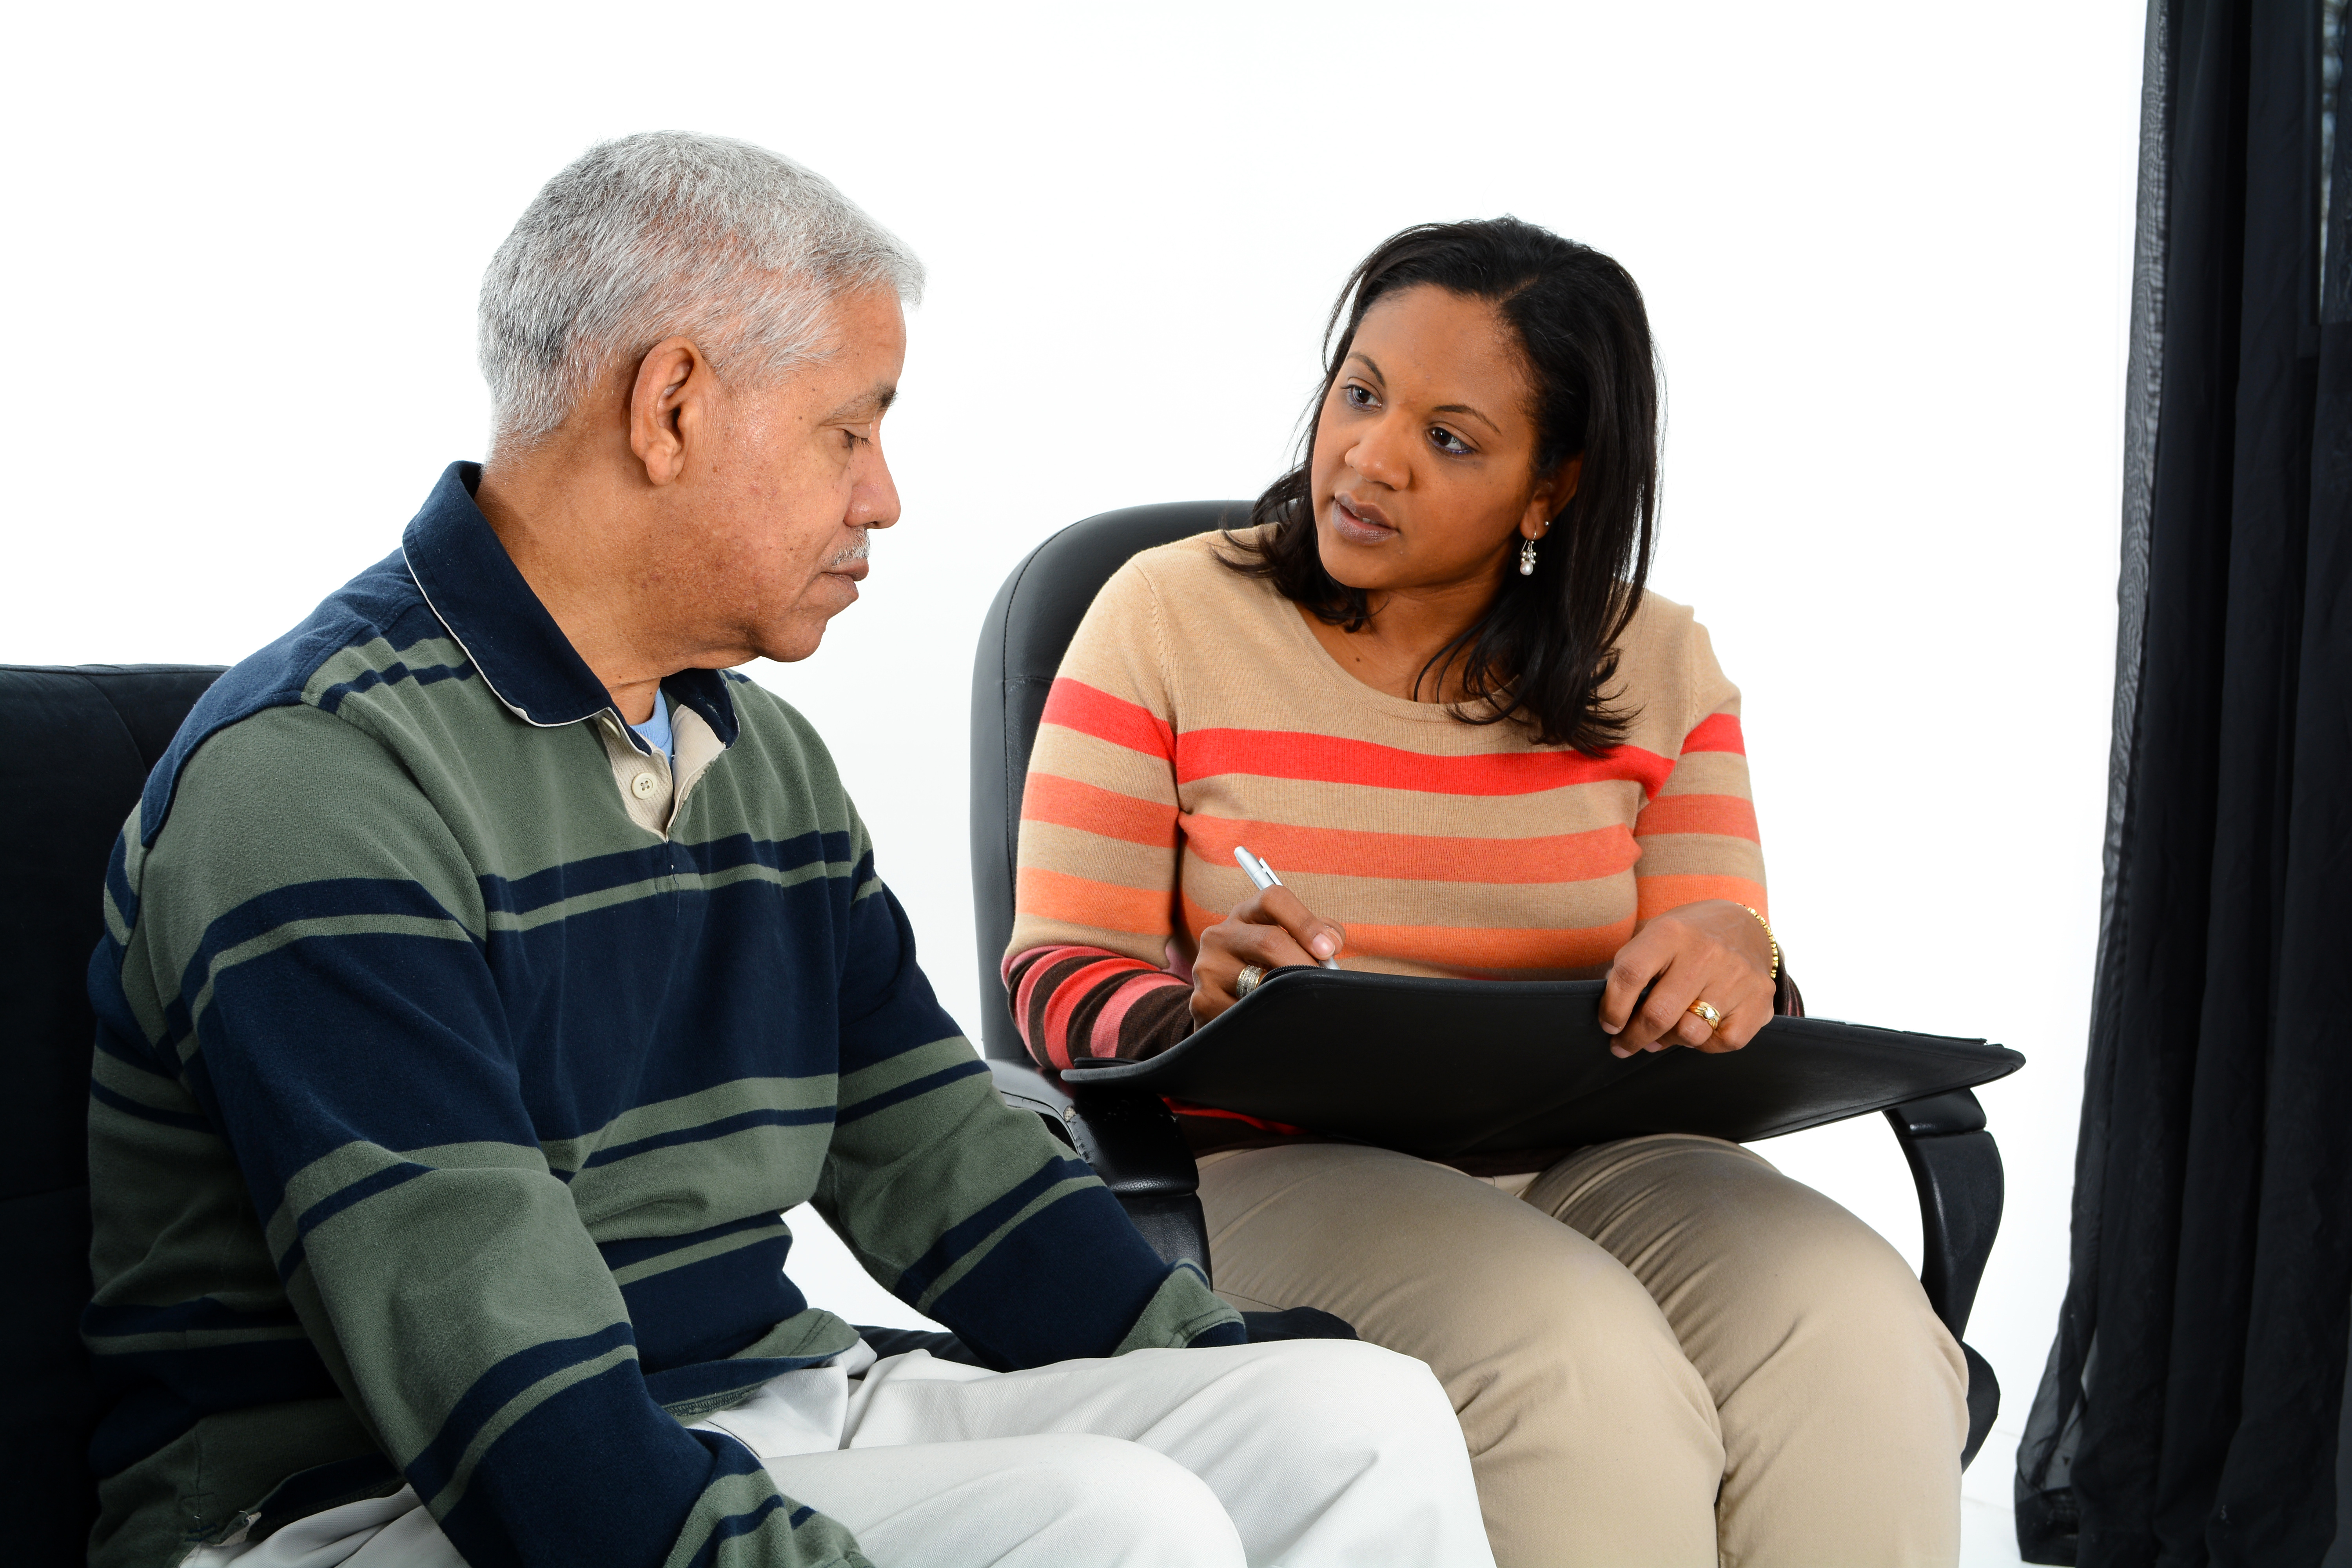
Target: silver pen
[{"x": 1259, "y": 872}]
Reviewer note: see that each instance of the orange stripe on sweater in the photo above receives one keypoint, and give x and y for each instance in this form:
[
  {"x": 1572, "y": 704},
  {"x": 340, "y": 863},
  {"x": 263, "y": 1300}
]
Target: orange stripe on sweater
[
  {"x": 1728, "y": 814},
  {"x": 1074, "y": 705},
  {"x": 1490, "y": 950},
  {"x": 1082, "y": 901},
  {"x": 1090, "y": 809},
  {"x": 1418, "y": 857},
  {"x": 1333, "y": 759},
  {"x": 1716, "y": 732},
  {"x": 1656, "y": 895}
]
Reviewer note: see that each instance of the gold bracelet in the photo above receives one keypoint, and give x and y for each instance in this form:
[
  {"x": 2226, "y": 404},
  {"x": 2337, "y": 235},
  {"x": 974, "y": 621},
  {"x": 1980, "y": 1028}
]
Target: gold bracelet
[{"x": 1775, "y": 941}]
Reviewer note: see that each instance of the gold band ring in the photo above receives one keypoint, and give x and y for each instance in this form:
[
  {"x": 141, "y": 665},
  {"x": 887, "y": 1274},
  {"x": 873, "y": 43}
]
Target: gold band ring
[
  {"x": 1708, "y": 1015},
  {"x": 1248, "y": 979}
]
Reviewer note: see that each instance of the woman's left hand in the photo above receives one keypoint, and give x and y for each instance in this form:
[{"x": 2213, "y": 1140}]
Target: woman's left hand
[{"x": 1713, "y": 951}]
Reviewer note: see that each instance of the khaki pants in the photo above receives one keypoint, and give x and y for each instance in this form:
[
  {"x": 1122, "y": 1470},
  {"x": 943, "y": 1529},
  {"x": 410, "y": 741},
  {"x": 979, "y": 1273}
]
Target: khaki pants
[{"x": 1663, "y": 1352}]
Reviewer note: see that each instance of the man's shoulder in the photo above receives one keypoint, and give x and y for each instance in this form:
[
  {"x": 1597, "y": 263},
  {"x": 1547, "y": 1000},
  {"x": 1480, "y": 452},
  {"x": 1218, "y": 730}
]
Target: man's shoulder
[
  {"x": 374, "y": 633},
  {"x": 783, "y": 747}
]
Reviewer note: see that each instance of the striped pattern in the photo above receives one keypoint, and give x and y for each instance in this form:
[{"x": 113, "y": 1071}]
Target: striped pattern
[
  {"x": 444, "y": 1111},
  {"x": 1195, "y": 712}
]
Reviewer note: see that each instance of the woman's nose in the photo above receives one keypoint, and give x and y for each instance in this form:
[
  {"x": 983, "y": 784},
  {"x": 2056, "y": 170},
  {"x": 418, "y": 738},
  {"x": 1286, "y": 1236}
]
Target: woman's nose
[{"x": 1379, "y": 454}]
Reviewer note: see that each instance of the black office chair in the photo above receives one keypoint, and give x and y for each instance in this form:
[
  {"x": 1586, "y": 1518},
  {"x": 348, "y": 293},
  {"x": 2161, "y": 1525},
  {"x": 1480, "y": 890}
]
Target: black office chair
[{"x": 1128, "y": 1137}]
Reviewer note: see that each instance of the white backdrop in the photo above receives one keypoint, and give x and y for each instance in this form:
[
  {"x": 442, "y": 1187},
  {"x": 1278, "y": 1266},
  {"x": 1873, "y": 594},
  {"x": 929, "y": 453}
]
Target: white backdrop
[{"x": 1885, "y": 249}]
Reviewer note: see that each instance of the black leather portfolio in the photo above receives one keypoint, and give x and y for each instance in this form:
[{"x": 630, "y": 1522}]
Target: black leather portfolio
[{"x": 1444, "y": 1068}]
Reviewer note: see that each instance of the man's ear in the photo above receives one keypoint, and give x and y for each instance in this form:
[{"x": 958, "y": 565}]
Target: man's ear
[
  {"x": 1550, "y": 496},
  {"x": 669, "y": 406}
]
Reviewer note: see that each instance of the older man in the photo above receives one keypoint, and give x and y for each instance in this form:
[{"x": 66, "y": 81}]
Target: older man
[{"x": 487, "y": 971}]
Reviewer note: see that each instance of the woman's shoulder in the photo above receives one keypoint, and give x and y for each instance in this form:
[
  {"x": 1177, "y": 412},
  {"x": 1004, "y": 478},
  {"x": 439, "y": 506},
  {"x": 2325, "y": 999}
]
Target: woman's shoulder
[
  {"x": 1157, "y": 615},
  {"x": 1193, "y": 583},
  {"x": 1197, "y": 566},
  {"x": 1667, "y": 673},
  {"x": 1659, "y": 626}
]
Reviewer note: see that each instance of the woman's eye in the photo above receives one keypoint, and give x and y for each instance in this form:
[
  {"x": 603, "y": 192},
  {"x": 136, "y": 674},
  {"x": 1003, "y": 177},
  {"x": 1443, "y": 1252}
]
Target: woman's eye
[
  {"x": 1448, "y": 441},
  {"x": 1357, "y": 396}
]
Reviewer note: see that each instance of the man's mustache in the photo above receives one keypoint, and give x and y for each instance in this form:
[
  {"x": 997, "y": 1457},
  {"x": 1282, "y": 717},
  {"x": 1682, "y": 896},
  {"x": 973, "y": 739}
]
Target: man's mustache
[{"x": 857, "y": 552}]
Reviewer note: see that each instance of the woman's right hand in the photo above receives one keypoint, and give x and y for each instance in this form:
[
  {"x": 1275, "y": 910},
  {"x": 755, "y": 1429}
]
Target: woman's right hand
[{"x": 1269, "y": 929}]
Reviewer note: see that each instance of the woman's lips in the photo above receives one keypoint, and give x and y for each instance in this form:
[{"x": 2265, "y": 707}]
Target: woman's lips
[{"x": 1357, "y": 528}]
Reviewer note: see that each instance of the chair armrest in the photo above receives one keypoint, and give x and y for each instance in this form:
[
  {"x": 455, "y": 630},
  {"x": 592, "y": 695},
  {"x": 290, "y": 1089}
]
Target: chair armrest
[
  {"x": 1132, "y": 1141},
  {"x": 1956, "y": 1165}
]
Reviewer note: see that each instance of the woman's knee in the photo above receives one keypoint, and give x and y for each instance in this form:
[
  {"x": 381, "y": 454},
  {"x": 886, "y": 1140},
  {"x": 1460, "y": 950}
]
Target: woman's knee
[{"x": 1841, "y": 1312}]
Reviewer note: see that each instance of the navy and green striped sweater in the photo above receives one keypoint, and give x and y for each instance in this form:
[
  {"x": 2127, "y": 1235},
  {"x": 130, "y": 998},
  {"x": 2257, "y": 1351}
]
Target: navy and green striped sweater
[{"x": 447, "y": 1095}]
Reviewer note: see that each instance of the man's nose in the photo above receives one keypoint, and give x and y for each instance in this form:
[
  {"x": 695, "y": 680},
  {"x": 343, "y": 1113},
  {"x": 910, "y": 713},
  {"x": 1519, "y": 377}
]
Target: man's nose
[{"x": 873, "y": 502}]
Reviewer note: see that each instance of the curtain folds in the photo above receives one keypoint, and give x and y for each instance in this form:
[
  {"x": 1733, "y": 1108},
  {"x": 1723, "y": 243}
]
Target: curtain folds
[{"x": 2190, "y": 1408}]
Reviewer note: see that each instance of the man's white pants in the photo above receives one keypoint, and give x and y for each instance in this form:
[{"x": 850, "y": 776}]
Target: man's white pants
[{"x": 1303, "y": 1453}]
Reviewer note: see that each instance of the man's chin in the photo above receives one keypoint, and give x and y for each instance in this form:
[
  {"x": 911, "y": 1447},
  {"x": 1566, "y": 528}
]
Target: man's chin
[{"x": 794, "y": 639}]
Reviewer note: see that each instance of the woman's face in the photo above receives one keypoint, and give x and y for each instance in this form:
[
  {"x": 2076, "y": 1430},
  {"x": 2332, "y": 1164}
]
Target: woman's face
[{"x": 1423, "y": 470}]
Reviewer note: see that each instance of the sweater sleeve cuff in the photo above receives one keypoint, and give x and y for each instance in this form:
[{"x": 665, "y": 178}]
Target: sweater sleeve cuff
[{"x": 1183, "y": 1312}]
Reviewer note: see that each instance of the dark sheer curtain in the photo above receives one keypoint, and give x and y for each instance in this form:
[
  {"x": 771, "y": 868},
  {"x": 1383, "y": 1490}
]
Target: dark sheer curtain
[{"x": 2191, "y": 1408}]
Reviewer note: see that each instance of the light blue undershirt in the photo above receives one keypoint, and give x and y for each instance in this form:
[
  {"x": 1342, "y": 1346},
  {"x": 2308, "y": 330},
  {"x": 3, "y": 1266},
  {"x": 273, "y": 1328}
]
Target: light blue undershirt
[{"x": 655, "y": 729}]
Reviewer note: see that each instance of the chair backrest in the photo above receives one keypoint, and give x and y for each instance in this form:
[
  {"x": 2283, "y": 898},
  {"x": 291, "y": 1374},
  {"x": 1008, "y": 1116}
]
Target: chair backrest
[
  {"x": 1021, "y": 646},
  {"x": 79, "y": 744}
]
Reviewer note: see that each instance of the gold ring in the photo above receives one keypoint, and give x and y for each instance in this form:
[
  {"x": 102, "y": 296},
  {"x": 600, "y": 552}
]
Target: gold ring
[
  {"x": 1708, "y": 1015},
  {"x": 1248, "y": 979}
]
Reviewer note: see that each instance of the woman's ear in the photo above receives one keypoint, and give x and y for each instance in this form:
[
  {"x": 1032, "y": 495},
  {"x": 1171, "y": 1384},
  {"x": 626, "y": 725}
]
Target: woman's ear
[{"x": 1550, "y": 496}]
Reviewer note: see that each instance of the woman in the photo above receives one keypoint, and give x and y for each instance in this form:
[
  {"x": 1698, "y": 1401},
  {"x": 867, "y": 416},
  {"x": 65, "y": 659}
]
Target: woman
[{"x": 1428, "y": 685}]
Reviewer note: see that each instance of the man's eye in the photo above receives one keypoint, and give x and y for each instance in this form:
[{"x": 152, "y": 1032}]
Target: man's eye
[{"x": 1448, "y": 441}]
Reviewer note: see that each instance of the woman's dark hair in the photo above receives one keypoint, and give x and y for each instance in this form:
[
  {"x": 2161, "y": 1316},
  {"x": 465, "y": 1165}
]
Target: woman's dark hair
[{"x": 1544, "y": 651}]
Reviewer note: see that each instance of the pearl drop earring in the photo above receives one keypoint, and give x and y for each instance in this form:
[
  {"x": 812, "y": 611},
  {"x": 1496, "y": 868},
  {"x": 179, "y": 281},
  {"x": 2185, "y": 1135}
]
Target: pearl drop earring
[{"x": 1527, "y": 559}]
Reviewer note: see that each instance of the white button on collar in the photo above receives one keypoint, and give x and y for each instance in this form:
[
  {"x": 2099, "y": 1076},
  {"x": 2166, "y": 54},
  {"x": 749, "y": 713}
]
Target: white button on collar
[{"x": 643, "y": 786}]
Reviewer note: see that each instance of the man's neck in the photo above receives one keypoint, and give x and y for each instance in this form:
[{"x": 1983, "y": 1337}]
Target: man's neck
[{"x": 569, "y": 536}]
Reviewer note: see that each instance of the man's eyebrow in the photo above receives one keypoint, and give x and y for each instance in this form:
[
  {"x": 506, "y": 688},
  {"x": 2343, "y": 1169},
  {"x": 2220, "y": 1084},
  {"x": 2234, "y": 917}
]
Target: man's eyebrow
[{"x": 867, "y": 404}]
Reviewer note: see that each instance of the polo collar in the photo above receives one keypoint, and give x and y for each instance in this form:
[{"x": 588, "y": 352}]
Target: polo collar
[{"x": 471, "y": 581}]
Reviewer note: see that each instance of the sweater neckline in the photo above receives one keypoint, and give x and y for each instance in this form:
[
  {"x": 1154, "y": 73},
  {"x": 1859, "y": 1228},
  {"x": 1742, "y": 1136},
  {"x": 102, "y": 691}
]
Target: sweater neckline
[{"x": 1335, "y": 673}]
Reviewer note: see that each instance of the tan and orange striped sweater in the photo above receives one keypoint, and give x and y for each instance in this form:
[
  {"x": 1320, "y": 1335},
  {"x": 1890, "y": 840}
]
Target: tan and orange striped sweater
[{"x": 1195, "y": 712}]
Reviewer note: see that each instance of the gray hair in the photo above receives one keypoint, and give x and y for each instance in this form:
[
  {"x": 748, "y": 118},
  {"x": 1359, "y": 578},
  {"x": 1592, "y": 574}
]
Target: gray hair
[{"x": 670, "y": 233}]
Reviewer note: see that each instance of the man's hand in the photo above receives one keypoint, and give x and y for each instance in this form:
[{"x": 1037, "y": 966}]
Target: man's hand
[
  {"x": 1269, "y": 929},
  {"x": 1713, "y": 951}
]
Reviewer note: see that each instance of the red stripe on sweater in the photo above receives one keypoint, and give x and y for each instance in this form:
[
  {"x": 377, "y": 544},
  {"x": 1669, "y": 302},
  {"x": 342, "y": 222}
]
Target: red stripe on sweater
[
  {"x": 1074, "y": 705},
  {"x": 1332, "y": 758},
  {"x": 1065, "y": 1001},
  {"x": 1038, "y": 960},
  {"x": 1103, "y": 1041},
  {"x": 1716, "y": 732}
]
